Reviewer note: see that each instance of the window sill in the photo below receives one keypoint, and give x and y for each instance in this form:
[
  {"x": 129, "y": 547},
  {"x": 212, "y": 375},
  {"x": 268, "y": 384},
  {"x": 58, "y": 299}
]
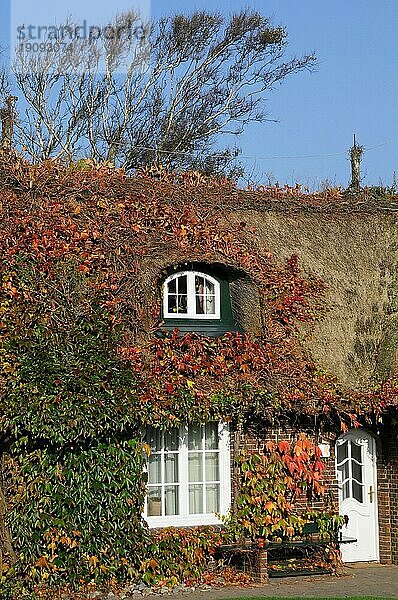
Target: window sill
[
  {"x": 205, "y": 327},
  {"x": 182, "y": 521}
]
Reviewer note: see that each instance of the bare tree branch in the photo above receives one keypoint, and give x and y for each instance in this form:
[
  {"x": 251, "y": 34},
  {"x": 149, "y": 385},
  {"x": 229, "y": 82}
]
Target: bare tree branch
[{"x": 167, "y": 97}]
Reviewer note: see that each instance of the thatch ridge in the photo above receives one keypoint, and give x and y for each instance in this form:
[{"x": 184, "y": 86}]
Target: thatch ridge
[
  {"x": 17, "y": 175},
  {"x": 348, "y": 240}
]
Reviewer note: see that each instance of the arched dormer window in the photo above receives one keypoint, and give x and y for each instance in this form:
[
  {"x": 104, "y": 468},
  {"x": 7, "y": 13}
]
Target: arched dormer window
[
  {"x": 191, "y": 295},
  {"x": 196, "y": 297}
]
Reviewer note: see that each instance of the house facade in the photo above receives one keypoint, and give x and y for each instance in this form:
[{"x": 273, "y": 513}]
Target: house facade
[
  {"x": 354, "y": 253},
  {"x": 194, "y": 320}
]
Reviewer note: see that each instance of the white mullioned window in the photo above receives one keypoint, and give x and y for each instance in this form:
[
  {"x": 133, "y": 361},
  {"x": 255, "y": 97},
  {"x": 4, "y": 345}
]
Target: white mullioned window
[
  {"x": 191, "y": 295},
  {"x": 350, "y": 469},
  {"x": 188, "y": 475}
]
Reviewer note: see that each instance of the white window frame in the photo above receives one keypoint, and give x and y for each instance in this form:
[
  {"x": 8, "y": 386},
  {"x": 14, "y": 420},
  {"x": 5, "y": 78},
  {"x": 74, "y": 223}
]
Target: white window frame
[
  {"x": 191, "y": 297},
  {"x": 184, "y": 519}
]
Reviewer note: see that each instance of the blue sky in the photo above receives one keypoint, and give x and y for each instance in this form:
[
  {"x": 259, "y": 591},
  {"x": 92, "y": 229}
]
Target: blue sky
[{"x": 354, "y": 89}]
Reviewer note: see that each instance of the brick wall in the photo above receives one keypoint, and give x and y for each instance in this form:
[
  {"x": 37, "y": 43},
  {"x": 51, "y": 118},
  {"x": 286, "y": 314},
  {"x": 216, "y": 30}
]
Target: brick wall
[
  {"x": 256, "y": 444},
  {"x": 384, "y": 506},
  {"x": 387, "y": 480},
  {"x": 387, "y": 473}
]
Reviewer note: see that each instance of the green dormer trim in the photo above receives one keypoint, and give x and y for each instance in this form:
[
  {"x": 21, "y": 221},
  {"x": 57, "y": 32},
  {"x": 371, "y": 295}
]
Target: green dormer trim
[{"x": 211, "y": 326}]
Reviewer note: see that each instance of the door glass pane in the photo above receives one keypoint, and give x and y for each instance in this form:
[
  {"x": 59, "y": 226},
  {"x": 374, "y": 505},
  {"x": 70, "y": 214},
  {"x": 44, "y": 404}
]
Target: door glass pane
[
  {"x": 211, "y": 436},
  {"x": 356, "y": 452},
  {"x": 154, "y": 501},
  {"x": 212, "y": 498},
  {"x": 171, "y": 499},
  {"x": 346, "y": 490},
  {"x": 342, "y": 452},
  {"x": 357, "y": 491},
  {"x": 171, "y": 439},
  {"x": 155, "y": 469},
  {"x": 195, "y": 437},
  {"x": 357, "y": 471},
  {"x": 195, "y": 469},
  {"x": 211, "y": 465},
  {"x": 171, "y": 468},
  {"x": 352, "y": 469},
  {"x": 196, "y": 499},
  {"x": 344, "y": 470}
]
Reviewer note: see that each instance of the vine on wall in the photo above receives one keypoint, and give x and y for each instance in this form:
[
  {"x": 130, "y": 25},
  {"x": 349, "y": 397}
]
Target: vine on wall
[
  {"x": 83, "y": 250},
  {"x": 277, "y": 486}
]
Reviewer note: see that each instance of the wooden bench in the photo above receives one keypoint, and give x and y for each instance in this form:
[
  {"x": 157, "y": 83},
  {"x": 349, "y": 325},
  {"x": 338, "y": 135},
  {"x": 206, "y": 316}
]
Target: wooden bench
[{"x": 284, "y": 559}]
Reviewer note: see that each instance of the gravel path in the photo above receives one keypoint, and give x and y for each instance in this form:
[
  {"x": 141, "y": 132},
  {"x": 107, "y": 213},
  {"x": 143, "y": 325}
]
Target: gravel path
[{"x": 372, "y": 580}]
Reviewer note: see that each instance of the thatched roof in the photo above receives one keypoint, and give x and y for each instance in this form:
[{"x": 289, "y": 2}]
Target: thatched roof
[{"x": 135, "y": 227}]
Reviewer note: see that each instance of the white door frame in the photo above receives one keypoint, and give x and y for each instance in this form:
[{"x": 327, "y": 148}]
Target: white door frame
[{"x": 358, "y": 551}]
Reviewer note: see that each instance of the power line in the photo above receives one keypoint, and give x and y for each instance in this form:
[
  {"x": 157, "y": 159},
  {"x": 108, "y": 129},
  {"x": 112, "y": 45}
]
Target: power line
[
  {"x": 254, "y": 157},
  {"x": 251, "y": 157},
  {"x": 296, "y": 157},
  {"x": 393, "y": 141}
]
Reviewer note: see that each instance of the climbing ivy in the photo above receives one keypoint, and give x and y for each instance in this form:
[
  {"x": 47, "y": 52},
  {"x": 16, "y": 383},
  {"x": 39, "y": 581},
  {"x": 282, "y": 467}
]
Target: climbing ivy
[
  {"x": 274, "y": 485},
  {"x": 83, "y": 252}
]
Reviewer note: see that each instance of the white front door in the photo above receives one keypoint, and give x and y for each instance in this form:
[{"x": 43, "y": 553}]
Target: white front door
[{"x": 356, "y": 476}]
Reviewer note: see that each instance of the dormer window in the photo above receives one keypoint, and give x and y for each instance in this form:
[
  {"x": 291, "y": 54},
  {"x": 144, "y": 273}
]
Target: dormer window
[
  {"x": 191, "y": 295},
  {"x": 196, "y": 298}
]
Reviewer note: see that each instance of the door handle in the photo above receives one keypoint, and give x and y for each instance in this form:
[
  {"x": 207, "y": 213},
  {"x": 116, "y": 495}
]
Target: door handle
[{"x": 371, "y": 494}]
